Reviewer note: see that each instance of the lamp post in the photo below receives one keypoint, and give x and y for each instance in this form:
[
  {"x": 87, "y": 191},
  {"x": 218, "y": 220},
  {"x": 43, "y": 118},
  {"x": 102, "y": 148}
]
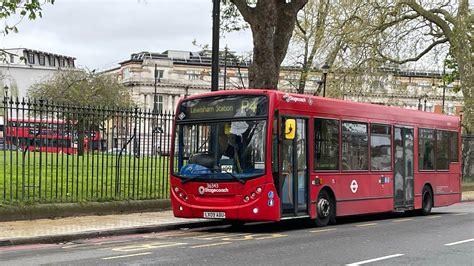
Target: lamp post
[
  {"x": 325, "y": 69},
  {"x": 215, "y": 45},
  {"x": 155, "y": 95},
  {"x": 444, "y": 86}
]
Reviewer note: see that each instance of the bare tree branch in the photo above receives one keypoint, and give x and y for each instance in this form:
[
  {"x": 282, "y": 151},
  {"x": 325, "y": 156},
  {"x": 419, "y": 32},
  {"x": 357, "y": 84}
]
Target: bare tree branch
[
  {"x": 416, "y": 58},
  {"x": 430, "y": 16}
]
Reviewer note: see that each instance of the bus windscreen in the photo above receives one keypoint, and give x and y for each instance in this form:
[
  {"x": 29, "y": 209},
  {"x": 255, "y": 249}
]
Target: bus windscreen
[{"x": 222, "y": 107}]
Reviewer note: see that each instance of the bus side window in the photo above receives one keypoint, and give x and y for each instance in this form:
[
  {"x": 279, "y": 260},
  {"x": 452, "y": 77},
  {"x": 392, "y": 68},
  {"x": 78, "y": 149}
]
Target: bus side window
[{"x": 453, "y": 147}]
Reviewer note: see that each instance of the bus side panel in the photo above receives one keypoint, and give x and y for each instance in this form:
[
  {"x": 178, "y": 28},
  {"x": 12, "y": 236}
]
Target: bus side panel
[
  {"x": 354, "y": 207},
  {"x": 358, "y": 193},
  {"x": 445, "y": 187}
]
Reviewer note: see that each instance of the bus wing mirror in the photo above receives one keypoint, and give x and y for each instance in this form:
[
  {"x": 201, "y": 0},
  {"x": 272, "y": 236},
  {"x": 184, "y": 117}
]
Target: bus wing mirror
[{"x": 290, "y": 128}]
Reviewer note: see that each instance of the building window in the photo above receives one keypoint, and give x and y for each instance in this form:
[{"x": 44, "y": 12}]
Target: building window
[
  {"x": 193, "y": 74},
  {"x": 326, "y": 144},
  {"x": 426, "y": 144},
  {"x": 41, "y": 59},
  {"x": 442, "y": 150},
  {"x": 71, "y": 63},
  {"x": 380, "y": 148},
  {"x": 125, "y": 73},
  {"x": 52, "y": 60},
  {"x": 160, "y": 74},
  {"x": 355, "y": 146},
  {"x": 61, "y": 62},
  {"x": 160, "y": 103},
  {"x": 12, "y": 58},
  {"x": 31, "y": 58}
]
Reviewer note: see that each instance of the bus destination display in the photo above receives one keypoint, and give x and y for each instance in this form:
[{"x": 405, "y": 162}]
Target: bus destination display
[{"x": 223, "y": 107}]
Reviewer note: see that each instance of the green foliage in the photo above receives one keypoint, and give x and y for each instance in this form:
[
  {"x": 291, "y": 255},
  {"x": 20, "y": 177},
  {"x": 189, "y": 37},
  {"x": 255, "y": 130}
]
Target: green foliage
[
  {"x": 231, "y": 20},
  {"x": 82, "y": 88},
  {"x": 450, "y": 63},
  {"x": 32, "y": 9}
]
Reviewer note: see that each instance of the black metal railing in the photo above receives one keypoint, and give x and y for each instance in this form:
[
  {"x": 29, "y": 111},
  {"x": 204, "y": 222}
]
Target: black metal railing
[{"x": 61, "y": 153}]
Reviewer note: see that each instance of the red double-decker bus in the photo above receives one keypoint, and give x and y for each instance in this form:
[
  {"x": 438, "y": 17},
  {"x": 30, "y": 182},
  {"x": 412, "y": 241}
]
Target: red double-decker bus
[
  {"x": 47, "y": 135},
  {"x": 262, "y": 155}
]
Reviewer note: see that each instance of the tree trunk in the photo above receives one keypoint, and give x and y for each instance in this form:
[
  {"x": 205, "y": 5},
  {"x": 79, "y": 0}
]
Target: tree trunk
[{"x": 272, "y": 23}]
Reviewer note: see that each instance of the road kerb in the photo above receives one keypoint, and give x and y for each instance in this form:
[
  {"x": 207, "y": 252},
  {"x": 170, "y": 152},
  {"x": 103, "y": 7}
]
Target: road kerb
[{"x": 104, "y": 233}]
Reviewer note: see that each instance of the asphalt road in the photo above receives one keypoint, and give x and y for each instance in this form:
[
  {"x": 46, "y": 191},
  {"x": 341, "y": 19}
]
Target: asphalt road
[{"x": 444, "y": 238}]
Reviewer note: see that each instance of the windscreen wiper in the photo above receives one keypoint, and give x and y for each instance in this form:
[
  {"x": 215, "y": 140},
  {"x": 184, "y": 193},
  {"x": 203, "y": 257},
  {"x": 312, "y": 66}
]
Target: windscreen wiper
[
  {"x": 241, "y": 181},
  {"x": 184, "y": 181}
]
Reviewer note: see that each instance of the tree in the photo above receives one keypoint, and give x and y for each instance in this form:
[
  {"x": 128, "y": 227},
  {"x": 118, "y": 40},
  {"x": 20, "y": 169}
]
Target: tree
[
  {"x": 85, "y": 92},
  {"x": 82, "y": 88},
  {"x": 272, "y": 23},
  {"x": 18, "y": 9},
  {"x": 418, "y": 28},
  {"x": 23, "y": 8},
  {"x": 324, "y": 30}
]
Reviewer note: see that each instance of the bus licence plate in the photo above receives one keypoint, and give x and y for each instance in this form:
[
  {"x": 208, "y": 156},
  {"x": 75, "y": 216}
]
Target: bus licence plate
[{"x": 214, "y": 215}]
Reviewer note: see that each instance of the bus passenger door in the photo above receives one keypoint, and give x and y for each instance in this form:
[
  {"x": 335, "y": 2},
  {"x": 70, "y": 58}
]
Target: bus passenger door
[
  {"x": 404, "y": 164},
  {"x": 294, "y": 170}
]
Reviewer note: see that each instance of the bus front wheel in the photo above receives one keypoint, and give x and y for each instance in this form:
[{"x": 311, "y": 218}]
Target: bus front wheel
[{"x": 324, "y": 209}]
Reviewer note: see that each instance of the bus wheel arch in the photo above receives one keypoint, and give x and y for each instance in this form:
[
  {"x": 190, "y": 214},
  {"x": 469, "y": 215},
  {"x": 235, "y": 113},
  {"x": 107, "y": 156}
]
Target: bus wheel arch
[
  {"x": 427, "y": 199},
  {"x": 325, "y": 207}
]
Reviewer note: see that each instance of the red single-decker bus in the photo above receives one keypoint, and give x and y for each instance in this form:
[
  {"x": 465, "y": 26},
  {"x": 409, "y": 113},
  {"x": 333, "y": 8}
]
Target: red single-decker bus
[{"x": 264, "y": 155}]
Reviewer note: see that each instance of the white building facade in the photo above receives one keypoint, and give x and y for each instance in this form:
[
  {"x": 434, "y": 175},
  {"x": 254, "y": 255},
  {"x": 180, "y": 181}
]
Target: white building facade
[
  {"x": 181, "y": 73},
  {"x": 23, "y": 68}
]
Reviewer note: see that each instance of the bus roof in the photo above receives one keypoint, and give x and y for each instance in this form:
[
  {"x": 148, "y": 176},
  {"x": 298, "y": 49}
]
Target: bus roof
[{"x": 347, "y": 110}]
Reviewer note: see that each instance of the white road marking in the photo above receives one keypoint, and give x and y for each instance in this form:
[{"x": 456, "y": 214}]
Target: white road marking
[
  {"x": 459, "y": 242},
  {"x": 402, "y": 220},
  {"x": 376, "y": 259},
  {"x": 362, "y": 225},
  {"x": 459, "y": 214},
  {"x": 433, "y": 216},
  {"x": 210, "y": 245},
  {"x": 323, "y": 230},
  {"x": 126, "y": 256}
]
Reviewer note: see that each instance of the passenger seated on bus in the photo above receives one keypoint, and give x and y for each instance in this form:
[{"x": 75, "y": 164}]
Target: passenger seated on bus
[
  {"x": 230, "y": 147},
  {"x": 225, "y": 149}
]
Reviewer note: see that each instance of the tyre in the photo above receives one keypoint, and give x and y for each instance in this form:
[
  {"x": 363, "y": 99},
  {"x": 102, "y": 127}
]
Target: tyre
[
  {"x": 325, "y": 209},
  {"x": 426, "y": 201}
]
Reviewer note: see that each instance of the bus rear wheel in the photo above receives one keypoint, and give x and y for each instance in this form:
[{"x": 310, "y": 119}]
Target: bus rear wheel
[
  {"x": 427, "y": 201},
  {"x": 324, "y": 209}
]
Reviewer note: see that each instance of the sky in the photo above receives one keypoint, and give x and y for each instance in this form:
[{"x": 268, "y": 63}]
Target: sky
[{"x": 102, "y": 33}]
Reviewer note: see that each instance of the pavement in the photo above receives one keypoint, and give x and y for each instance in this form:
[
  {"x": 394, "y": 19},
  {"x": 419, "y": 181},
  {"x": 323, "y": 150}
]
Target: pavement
[{"x": 73, "y": 228}]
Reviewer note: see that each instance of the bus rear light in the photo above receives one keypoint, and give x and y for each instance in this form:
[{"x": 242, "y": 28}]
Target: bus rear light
[
  {"x": 246, "y": 198},
  {"x": 176, "y": 189},
  {"x": 259, "y": 190},
  {"x": 180, "y": 208},
  {"x": 253, "y": 195},
  {"x": 255, "y": 210},
  {"x": 180, "y": 194}
]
